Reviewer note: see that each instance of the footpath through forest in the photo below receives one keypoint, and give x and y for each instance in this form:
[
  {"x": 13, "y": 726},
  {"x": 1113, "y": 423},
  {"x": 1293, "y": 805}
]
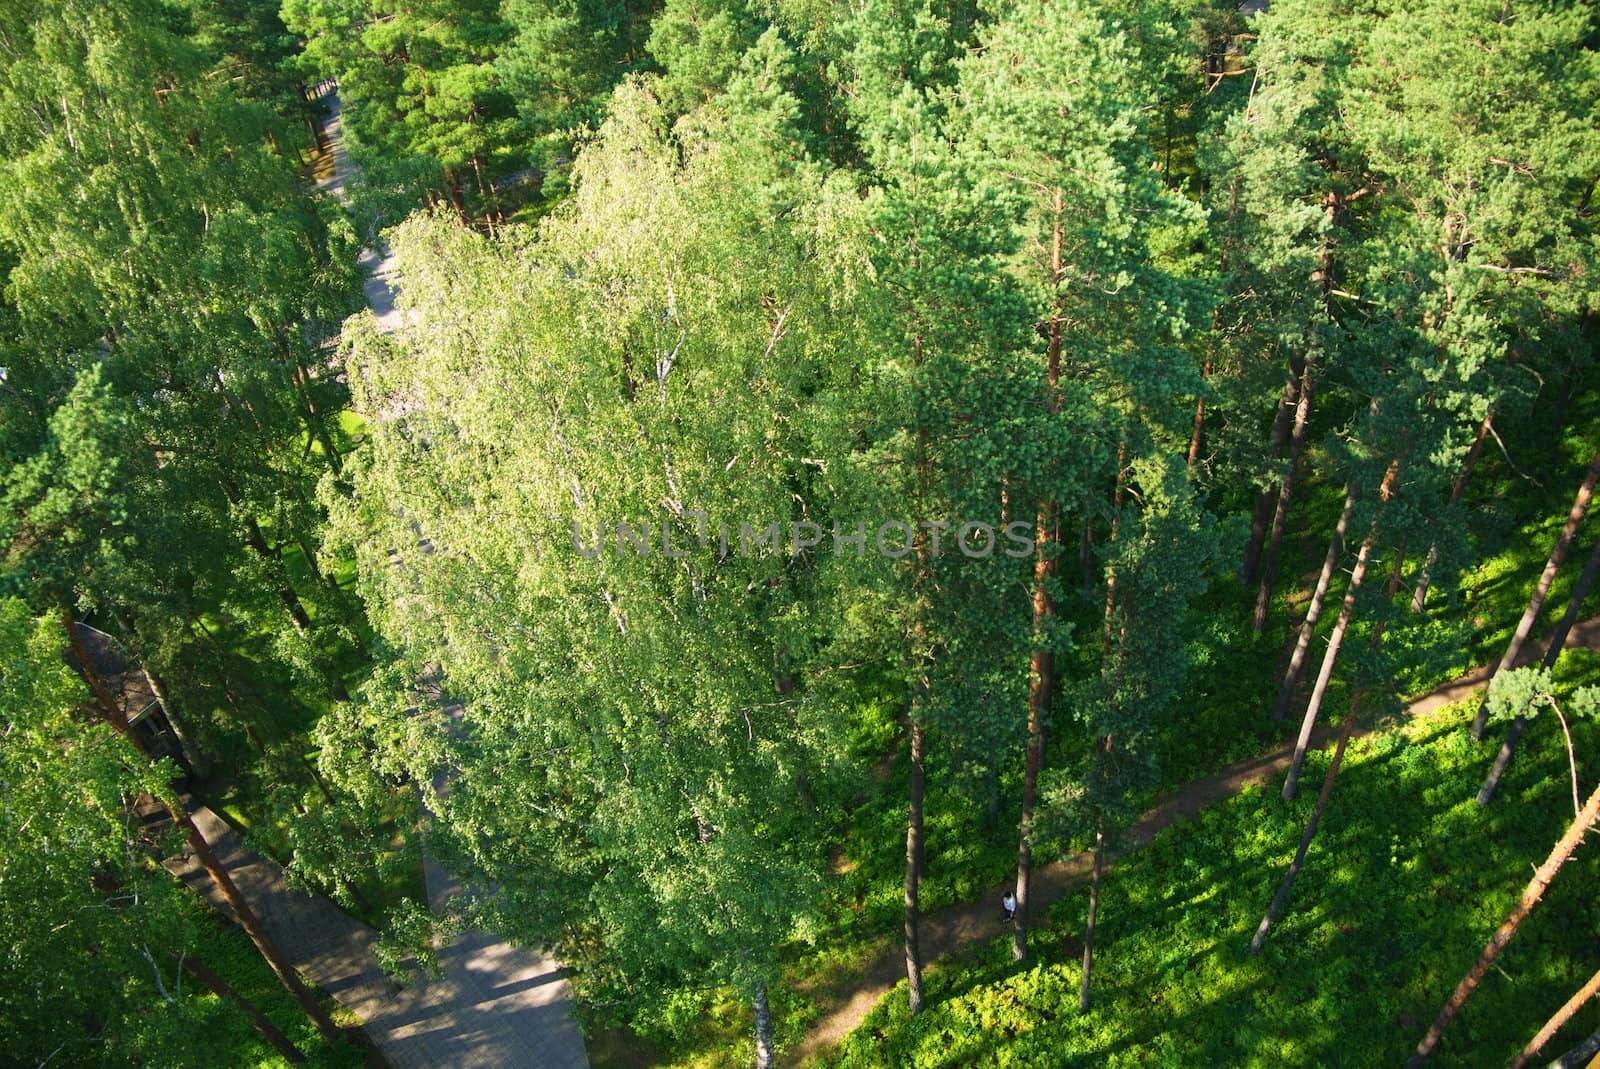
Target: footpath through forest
[
  {"x": 951, "y": 929},
  {"x": 493, "y": 1006}
]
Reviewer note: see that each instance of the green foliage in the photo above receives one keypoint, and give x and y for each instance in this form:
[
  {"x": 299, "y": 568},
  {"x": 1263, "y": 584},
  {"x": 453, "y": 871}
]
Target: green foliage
[
  {"x": 1411, "y": 875},
  {"x": 95, "y": 929}
]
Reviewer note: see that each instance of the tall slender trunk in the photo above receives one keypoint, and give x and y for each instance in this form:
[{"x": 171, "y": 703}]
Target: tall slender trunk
[
  {"x": 291, "y": 601},
  {"x": 1196, "y": 437},
  {"x": 251, "y": 924},
  {"x": 310, "y": 557},
  {"x": 1552, "y": 653},
  {"x": 1508, "y": 928},
  {"x": 220, "y": 987},
  {"x": 1297, "y": 660},
  {"x": 1041, "y": 666},
  {"x": 763, "y": 1015},
  {"x": 1086, "y": 554},
  {"x": 1324, "y": 674},
  {"x": 196, "y": 757},
  {"x": 1558, "y": 1021},
  {"x": 1530, "y": 615},
  {"x": 1111, "y": 667},
  {"x": 1330, "y": 656},
  {"x": 914, "y": 871},
  {"x": 1275, "y": 908},
  {"x": 1420, "y": 595},
  {"x": 1117, "y": 495},
  {"x": 1280, "y": 513},
  {"x": 113, "y": 715},
  {"x": 1043, "y": 674},
  {"x": 1263, "y": 509},
  {"x": 1094, "y": 908}
]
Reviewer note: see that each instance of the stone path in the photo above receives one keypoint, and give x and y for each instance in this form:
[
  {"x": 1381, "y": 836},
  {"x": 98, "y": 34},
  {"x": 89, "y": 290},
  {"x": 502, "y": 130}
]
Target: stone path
[
  {"x": 493, "y": 1006},
  {"x": 950, "y": 929}
]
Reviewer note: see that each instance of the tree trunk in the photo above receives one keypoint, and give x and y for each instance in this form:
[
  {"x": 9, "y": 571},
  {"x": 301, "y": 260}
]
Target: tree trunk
[
  {"x": 1094, "y": 908},
  {"x": 1297, "y": 660},
  {"x": 1117, "y": 495},
  {"x": 291, "y": 601},
  {"x": 1552, "y": 653},
  {"x": 1086, "y": 555},
  {"x": 1555, "y": 1024},
  {"x": 1530, "y": 615},
  {"x": 1196, "y": 438},
  {"x": 1420, "y": 595},
  {"x": 1041, "y": 674},
  {"x": 269, "y": 1031},
  {"x": 1280, "y": 514},
  {"x": 1278, "y": 900},
  {"x": 1263, "y": 510},
  {"x": 196, "y": 758},
  {"x": 914, "y": 870},
  {"x": 1508, "y": 928},
  {"x": 763, "y": 1015},
  {"x": 1330, "y": 657},
  {"x": 202, "y": 851},
  {"x": 252, "y": 926},
  {"x": 310, "y": 556},
  {"x": 1275, "y": 908}
]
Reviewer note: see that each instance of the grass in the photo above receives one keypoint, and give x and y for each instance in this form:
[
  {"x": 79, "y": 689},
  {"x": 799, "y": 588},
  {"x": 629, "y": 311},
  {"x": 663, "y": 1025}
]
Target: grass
[{"x": 1404, "y": 883}]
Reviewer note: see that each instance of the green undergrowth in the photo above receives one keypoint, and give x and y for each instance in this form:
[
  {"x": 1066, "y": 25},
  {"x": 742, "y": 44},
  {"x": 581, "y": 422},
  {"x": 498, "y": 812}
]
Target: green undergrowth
[
  {"x": 229, "y": 1038},
  {"x": 1405, "y": 882}
]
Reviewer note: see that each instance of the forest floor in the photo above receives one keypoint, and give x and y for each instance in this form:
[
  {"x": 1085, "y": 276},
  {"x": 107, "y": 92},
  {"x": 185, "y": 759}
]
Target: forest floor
[{"x": 958, "y": 927}]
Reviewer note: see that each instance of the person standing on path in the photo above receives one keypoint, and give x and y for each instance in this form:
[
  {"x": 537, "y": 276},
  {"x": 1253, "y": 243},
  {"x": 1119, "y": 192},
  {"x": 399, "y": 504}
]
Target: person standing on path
[{"x": 1008, "y": 906}]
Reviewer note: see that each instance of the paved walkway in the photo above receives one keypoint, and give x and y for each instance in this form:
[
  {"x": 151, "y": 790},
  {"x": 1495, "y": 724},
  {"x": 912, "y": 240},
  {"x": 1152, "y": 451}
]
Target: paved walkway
[
  {"x": 949, "y": 930},
  {"x": 493, "y": 1005}
]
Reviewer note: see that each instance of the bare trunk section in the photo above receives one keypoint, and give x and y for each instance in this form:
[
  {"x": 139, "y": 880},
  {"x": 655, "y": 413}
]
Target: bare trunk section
[
  {"x": 1094, "y": 907},
  {"x": 1196, "y": 438},
  {"x": 1530, "y": 615},
  {"x": 1041, "y": 668},
  {"x": 1330, "y": 656},
  {"x": 1308, "y": 627},
  {"x": 1557, "y": 1022},
  {"x": 1420, "y": 595},
  {"x": 763, "y": 1015},
  {"x": 1280, "y": 514},
  {"x": 1552, "y": 653},
  {"x": 220, "y": 987},
  {"x": 1043, "y": 676},
  {"x": 1508, "y": 928},
  {"x": 112, "y": 714},
  {"x": 1275, "y": 908},
  {"x": 1117, "y": 495},
  {"x": 1324, "y": 674},
  {"x": 198, "y": 762},
  {"x": 914, "y": 871},
  {"x": 291, "y": 601},
  {"x": 1263, "y": 510}
]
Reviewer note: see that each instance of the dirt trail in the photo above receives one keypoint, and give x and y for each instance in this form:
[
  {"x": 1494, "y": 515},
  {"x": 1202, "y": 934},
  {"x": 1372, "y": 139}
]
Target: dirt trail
[{"x": 949, "y": 930}]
